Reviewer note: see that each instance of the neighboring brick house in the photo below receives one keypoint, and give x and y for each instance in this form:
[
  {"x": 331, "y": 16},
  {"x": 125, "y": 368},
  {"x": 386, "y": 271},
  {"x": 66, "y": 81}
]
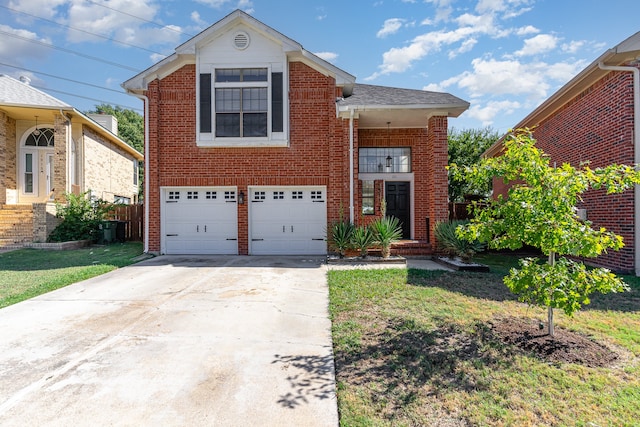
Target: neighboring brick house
[
  {"x": 254, "y": 146},
  {"x": 594, "y": 118},
  {"x": 47, "y": 149}
]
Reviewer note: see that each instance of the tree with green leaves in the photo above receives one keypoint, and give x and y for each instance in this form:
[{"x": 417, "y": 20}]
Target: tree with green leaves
[
  {"x": 130, "y": 124},
  {"x": 465, "y": 148},
  {"x": 540, "y": 211}
]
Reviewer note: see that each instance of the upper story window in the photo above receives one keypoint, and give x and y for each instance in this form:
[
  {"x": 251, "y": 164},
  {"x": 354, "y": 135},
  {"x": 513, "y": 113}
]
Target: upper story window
[
  {"x": 42, "y": 137},
  {"x": 241, "y": 103},
  {"x": 384, "y": 160}
]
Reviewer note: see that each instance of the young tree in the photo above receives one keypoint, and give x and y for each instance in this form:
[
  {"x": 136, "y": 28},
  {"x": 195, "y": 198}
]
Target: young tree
[
  {"x": 540, "y": 211},
  {"x": 465, "y": 148}
]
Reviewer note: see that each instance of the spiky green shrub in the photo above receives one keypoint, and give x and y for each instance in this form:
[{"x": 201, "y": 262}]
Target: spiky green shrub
[
  {"x": 452, "y": 245},
  {"x": 362, "y": 239},
  {"x": 387, "y": 230},
  {"x": 340, "y": 236}
]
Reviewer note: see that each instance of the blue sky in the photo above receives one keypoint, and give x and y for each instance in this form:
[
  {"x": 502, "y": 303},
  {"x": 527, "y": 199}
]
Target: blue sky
[{"x": 503, "y": 56}]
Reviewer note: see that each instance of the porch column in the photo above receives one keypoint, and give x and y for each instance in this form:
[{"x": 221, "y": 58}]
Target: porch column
[
  {"x": 438, "y": 209},
  {"x": 3, "y": 156},
  {"x": 60, "y": 138}
]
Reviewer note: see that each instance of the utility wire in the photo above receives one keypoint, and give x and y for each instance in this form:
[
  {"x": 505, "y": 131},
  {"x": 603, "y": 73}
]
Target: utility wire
[
  {"x": 62, "y": 49},
  {"x": 81, "y": 30},
  {"x": 86, "y": 97},
  {"x": 63, "y": 78},
  {"x": 141, "y": 19}
]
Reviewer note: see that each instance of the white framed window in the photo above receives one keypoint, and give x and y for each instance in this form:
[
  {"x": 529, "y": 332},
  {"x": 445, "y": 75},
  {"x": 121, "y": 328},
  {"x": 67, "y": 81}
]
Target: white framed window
[{"x": 242, "y": 106}]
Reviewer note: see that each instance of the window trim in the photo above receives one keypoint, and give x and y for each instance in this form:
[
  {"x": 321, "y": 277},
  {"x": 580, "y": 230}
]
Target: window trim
[{"x": 273, "y": 139}]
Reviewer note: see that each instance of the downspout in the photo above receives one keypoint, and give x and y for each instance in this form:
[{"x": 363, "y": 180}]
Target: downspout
[
  {"x": 636, "y": 152},
  {"x": 351, "y": 208},
  {"x": 145, "y": 100}
]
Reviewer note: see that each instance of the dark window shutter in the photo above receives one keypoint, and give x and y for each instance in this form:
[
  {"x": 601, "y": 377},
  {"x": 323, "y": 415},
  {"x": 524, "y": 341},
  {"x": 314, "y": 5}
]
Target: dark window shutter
[
  {"x": 277, "y": 103},
  {"x": 205, "y": 103}
]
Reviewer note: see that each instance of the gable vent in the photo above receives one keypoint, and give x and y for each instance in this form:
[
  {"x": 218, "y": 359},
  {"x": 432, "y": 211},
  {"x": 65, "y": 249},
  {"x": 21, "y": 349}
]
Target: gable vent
[{"x": 241, "y": 40}]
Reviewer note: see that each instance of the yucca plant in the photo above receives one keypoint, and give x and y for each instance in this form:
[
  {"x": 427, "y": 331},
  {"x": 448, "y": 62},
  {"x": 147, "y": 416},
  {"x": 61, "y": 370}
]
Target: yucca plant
[
  {"x": 363, "y": 238},
  {"x": 340, "y": 236},
  {"x": 387, "y": 230},
  {"x": 452, "y": 245}
]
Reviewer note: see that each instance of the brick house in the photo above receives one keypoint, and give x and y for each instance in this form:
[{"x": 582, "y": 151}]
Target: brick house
[
  {"x": 594, "y": 118},
  {"x": 254, "y": 145},
  {"x": 47, "y": 149}
]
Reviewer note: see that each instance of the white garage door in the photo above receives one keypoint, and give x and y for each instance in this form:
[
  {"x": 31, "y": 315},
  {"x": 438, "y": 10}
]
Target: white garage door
[
  {"x": 287, "y": 220},
  {"x": 200, "y": 220}
]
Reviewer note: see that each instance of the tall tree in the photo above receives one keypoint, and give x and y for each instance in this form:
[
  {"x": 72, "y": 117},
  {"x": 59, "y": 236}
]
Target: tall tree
[
  {"x": 465, "y": 148},
  {"x": 130, "y": 124},
  {"x": 540, "y": 211}
]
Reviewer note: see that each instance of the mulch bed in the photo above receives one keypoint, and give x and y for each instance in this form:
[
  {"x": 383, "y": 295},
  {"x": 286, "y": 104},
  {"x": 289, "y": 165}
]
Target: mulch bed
[{"x": 564, "y": 347}]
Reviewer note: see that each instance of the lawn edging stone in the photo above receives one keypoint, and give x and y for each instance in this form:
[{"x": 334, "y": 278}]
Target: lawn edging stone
[
  {"x": 459, "y": 265},
  {"x": 59, "y": 246}
]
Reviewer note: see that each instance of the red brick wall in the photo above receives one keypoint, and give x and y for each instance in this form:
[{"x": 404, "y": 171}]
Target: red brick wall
[
  {"x": 597, "y": 126},
  {"x": 429, "y": 161},
  {"x": 317, "y": 155}
]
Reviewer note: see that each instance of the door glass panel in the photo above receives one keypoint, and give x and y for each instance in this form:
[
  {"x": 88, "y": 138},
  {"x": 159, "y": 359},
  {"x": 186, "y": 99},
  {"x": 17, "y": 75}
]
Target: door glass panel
[{"x": 28, "y": 173}]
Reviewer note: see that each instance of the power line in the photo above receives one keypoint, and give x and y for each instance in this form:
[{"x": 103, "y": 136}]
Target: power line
[
  {"x": 63, "y": 78},
  {"x": 81, "y": 30},
  {"x": 139, "y": 18},
  {"x": 62, "y": 49},
  {"x": 86, "y": 97}
]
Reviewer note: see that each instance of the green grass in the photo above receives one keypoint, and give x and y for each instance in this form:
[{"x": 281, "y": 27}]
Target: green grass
[
  {"x": 27, "y": 273},
  {"x": 415, "y": 348}
]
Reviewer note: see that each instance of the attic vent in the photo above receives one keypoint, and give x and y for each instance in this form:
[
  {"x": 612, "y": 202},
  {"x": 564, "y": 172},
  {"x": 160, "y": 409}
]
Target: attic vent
[{"x": 241, "y": 40}]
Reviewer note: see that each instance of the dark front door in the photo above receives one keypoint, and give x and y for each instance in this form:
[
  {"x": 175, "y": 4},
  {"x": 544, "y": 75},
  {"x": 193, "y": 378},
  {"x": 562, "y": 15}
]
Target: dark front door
[{"x": 398, "y": 205}]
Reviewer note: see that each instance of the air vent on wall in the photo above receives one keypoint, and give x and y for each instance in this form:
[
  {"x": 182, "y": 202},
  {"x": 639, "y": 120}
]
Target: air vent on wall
[{"x": 241, "y": 40}]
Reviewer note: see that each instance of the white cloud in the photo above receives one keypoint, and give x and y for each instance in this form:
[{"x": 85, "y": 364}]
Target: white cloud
[
  {"x": 526, "y": 30},
  {"x": 327, "y": 56},
  {"x": 15, "y": 45},
  {"x": 390, "y": 26},
  {"x": 541, "y": 43},
  {"x": 44, "y": 8},
  {"x": 465, "y": 47},
  {"x": 573, "y": 46},
  {"x": 492, "y": 109}
]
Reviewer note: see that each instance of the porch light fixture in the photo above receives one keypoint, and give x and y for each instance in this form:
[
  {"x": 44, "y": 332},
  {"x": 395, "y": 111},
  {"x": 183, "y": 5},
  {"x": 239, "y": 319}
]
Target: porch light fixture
[
  {"x": 389, "y": 161},
  {"x": 241, "y": 197},
  {"x": 37, "y": 131}
]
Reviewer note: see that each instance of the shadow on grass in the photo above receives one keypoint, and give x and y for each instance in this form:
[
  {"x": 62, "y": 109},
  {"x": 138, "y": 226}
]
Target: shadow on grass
[
  {"x": 490, "y": 286},
  {"x": 310, "y": 377},
  {"x": 403, "y": 358}
]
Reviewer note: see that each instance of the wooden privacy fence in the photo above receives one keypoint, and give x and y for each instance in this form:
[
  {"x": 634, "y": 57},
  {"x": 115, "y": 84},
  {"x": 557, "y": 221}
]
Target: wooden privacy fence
[{"x": 133, "y": 218}]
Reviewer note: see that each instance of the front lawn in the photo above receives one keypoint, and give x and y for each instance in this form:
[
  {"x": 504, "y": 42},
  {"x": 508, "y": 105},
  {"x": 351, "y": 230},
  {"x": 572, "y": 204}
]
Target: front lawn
[
  {"x": 27, "y": 273},
  {"x": 422, "y": 348}
]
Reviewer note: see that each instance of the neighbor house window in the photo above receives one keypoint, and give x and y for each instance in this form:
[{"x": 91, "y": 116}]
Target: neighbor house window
[
  {"x": 384, "y": 160},
  {"x": 368, "y": 198},
  {"x": 135, "y": 171},
  {"x": 42, "y": 137},
  {"x": 241, "y": 103}
]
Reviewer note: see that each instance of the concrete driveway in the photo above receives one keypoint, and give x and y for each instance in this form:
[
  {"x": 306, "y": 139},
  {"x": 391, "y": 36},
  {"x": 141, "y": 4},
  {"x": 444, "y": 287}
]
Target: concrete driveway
[{"x": 174, "y": 341}]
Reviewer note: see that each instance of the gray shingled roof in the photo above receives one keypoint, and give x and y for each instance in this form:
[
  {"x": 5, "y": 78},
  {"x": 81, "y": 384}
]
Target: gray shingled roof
[
  {"x": 15, "y": 92},
  {"x": 383, "y": 95}
]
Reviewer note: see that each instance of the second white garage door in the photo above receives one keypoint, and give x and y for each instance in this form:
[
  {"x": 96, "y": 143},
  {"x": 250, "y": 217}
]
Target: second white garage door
[
  {"x": 199, "y": 220},
  {"x": 287, "y": 220}
]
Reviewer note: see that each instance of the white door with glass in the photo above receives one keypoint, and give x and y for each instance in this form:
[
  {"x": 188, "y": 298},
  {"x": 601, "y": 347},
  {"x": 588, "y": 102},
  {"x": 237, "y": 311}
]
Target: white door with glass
[{"x": 37, "y": 165}]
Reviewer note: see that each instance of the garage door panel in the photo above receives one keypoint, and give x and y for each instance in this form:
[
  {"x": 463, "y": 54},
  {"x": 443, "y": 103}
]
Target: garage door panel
[
  {"x": 288, "y": 220},
  {"x": 200, "y": 220}
]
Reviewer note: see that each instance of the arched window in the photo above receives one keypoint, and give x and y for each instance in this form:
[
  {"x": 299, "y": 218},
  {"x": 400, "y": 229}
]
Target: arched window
[{"x": 42, "y": 137}]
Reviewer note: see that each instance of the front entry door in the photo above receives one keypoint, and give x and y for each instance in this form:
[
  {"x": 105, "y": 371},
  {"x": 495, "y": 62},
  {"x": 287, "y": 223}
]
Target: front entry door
[{"x": 398, "y": 204}]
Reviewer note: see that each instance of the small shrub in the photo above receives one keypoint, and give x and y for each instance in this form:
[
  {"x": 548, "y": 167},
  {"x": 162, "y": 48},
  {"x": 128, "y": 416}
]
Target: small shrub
[
  {"x": 452, "y": 245},
  {"x": 340, "y": 237},
  {"x": 362, "y": 239},
  {"x": 81, "y": 218},
  {"x": 387, "y": 230}
]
